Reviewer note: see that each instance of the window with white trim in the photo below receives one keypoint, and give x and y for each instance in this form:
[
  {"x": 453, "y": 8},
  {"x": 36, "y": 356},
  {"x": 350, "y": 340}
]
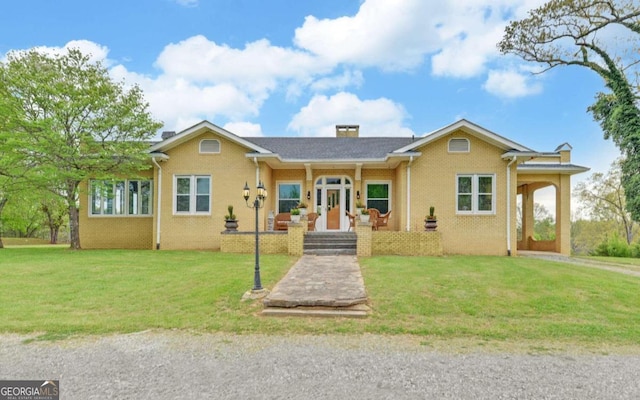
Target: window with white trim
[
  {"x": 459, "y": 145},
  {"x": 475, "y": 193},
  {"x": 121, "y": 197},
  {"x": 192, "y": 194},
  {"x": 289, "y": 196},
  {"x": 209, "y": 146},
  {"x": 379, "y": 196}
]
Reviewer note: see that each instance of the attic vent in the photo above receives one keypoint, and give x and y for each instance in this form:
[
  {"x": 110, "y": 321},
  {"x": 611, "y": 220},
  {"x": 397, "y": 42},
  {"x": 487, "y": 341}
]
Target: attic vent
[
  {"x": 209, "y": 146},
  {"x": 459, "y": 145}
]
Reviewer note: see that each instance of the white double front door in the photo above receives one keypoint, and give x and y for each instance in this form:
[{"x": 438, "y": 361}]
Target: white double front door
[{"x": 333, "y": 200}]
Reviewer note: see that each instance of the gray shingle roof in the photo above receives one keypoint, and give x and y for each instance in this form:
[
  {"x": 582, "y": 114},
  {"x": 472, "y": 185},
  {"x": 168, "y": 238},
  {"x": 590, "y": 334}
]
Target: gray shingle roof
[{"x": 330, "y": 148}]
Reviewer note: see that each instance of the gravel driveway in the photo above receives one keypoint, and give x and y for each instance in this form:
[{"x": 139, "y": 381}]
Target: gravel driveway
[{"x": 179, "y": 365}]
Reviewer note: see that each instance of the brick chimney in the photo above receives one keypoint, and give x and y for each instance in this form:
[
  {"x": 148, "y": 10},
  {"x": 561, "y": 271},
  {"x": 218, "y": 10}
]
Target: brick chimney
[
  {"x": 167, "y": 134},
  {"x": 348, "y": 131}
]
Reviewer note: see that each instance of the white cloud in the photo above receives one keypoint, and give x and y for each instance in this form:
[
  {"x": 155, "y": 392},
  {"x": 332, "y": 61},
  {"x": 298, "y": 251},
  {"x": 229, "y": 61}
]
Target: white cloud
[
  {"x": 511, "y": 84},
  {"x": 176, "y": 100},
  {"x": 346, "y": 79},
  {"x": 392, "y": 35},
  {"x": 244, "y": 129},
  {"x": 198, "y": 78},
  {"x": 460, "y": 36},
  {"x": 96, "y": 52},
  {"x": 380, "y": 117},
  {"x": 257, "y": 68}
]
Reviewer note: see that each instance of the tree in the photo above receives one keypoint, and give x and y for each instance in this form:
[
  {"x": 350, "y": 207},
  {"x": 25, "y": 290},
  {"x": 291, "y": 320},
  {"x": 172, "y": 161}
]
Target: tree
[
  {"x": 602, "y": 196},
  {"x": 55, "y": 213},
  {"x": 75, "y": 123},
  {"x": 589, "y": 33}
]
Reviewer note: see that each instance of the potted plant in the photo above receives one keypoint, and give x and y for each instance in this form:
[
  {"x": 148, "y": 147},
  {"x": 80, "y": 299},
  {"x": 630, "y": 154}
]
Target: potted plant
[
  {"x": 230, "y": 221},
  {"x": 431, "y": 221},
  {"x": 295, "y": 215},
  {"x": 364, "y": 215},
  {"x": 303, "y": 208},
  {"x": 359, "y": 207}
]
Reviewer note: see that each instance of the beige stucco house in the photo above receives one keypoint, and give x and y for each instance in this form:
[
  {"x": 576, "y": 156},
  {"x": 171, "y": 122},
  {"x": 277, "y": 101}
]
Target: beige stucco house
[{"x": 472, "y": 176}]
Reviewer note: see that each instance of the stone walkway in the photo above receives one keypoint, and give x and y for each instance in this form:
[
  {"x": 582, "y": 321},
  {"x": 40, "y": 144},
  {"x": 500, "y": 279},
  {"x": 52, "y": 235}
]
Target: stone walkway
[{"x": 321, "y": 286}]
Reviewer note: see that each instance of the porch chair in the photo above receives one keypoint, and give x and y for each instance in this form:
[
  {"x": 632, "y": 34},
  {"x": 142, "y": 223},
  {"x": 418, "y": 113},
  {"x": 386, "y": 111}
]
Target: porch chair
[
  {"x": 281, "y": 222},
  {"x": 374, "y": 215},
  {"x": 312, "y": 217},
  {"x": 352, "y": 220},
  {"x": 383, "y": 219}
]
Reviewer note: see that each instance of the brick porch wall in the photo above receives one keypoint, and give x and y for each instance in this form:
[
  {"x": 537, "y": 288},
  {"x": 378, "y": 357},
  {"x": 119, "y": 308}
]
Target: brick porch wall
[
  {"x": 369, "y": 243},
  {"x": 406, "y": 243},
  {"x": 245, "y": 242}
]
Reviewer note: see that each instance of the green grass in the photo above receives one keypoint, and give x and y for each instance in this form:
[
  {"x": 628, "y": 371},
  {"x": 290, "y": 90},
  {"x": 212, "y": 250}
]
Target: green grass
[
  {"x": 629, "y": 263},
  {"x": 56, "y": 293},
  {"x": 503, "y": 298}
]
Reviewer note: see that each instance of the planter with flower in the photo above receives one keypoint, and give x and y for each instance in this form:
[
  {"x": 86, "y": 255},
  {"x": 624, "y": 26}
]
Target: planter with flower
[
  {"x": 364, "y": 215},
  {"x": 230, "y": 221},
  {"x": 303, "y": 209},
  {"x": 359, "y": 207},
  {"x": 295, "y": 215},
  {"x": 431, "y": 221}
]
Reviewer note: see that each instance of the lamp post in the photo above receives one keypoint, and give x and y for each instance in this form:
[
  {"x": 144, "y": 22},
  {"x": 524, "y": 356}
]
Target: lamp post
[{"x": 257, "y": 204}]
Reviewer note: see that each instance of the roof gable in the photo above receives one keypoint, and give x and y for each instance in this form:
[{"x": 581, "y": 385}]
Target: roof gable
[
  {"x": 200, "y": 128},
  {"x": 470, "y": 128}
]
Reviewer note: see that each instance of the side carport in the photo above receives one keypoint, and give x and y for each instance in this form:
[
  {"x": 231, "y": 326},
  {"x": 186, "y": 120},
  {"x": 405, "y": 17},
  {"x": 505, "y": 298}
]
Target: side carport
[{"x": 548, "y": 169}]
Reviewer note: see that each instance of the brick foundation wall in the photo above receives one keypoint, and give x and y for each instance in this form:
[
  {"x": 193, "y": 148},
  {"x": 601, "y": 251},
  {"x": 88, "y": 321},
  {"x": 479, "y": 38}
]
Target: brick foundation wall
[
  {"x": 245, "y": 242},
  {"x": 406, "y": 243}
]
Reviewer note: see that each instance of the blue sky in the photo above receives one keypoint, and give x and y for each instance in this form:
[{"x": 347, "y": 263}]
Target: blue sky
[{"x": 299, "y": 67}]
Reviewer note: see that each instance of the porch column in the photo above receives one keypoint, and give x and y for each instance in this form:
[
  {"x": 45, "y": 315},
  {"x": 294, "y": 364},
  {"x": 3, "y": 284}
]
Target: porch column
[
  {"x": 563, "y": 215},
  {"x": 527, "y": 215}
]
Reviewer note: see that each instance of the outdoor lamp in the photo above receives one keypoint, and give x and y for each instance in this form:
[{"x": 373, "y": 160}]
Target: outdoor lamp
[
  {"x": 308, "y": 195},
  {"x": 245, "y": 192},
  {"x": 357, "y": 195},
  {"x": 257, "y": 204}
]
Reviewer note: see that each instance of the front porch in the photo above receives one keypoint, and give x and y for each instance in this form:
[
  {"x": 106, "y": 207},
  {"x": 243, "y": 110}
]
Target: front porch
[{"x": 368, "y": 242}]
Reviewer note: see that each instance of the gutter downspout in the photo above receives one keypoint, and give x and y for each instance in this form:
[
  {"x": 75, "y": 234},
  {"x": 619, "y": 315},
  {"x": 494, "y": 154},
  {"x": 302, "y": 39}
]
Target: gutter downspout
[
  {"x": 153, "y": 159},
  {"x": 255, "y": 161},
  {"x": 514, "y": 159},
  {"x": 409, "y": 194}
]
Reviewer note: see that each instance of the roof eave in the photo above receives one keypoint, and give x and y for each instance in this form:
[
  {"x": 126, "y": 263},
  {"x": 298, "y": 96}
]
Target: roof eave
[{"x": 561, "y": 169}]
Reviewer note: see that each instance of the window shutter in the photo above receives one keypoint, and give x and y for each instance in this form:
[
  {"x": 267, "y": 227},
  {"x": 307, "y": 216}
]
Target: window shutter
[
  {"x": 209, "y": 146},
  {"x": 459, "y": 145}
]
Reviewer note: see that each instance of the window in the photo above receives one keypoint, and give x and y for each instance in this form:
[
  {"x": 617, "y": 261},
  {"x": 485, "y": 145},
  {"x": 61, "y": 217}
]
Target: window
[
  {"x": 193, "y": 194},
  {"x": 288, "y": 196},
  {"x": 378, "y": 196},
  {"x": 209, "y": 146},
  {"x": 459, "y": 145},
  {"x": 475, "y": 194},
  {"x": 125, "y": 197}
]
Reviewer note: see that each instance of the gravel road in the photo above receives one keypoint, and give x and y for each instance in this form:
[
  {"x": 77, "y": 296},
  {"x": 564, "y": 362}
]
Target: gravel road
[{"x": 179, "y": 365}]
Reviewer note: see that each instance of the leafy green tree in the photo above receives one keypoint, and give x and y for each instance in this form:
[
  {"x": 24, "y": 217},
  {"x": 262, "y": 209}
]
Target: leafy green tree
[
  {"x": 22, "y": 216},
  {"x": 13, "y": 164},
  {"x": 75, "y": 123},
  {"x": 601, "y": 35},
  {"x": 55, "y": 213},
  {"x": 602, "y": 197}
]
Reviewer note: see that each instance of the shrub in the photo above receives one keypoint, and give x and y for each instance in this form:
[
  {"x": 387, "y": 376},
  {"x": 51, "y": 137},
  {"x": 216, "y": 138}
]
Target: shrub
[{"x": 613, "y": 246}]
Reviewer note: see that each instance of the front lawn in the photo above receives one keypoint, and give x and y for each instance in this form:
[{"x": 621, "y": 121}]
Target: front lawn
[{"x": 56, "y": 292}]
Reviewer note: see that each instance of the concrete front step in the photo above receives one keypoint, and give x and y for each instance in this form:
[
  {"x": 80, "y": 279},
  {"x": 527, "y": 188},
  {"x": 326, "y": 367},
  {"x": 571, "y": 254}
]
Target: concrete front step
[
  {"x": 330, "y": 243},
  {"x": 356, "y": 311},
  {"x": 330, "y": 252}
]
